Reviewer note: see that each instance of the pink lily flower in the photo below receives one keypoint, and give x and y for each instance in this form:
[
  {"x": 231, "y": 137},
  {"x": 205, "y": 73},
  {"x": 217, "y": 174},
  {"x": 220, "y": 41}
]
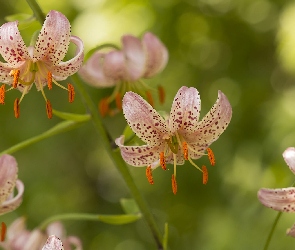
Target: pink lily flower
[
  {"x": 8, "y": 181},
  {"x": 180, "y": 137},
  {"x": 40, "y": 63},
  {"x": 124, "y": 68},
  {"x": 53, "y": 243},
  {"x": 281, "y": 199}
]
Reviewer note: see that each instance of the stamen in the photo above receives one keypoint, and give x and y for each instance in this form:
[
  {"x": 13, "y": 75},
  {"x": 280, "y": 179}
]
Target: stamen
[
  {"x": 174, "y": 184},
  {"x": 161, "y": 92},
  {"x": 211, "y": 156},
  {"x": 205, "y": 174},
  {"x": 3, "y": 231},
  {"x": 103, "y": 107},
  {"x": 48, "y": 109},
  {"x": 149, "y": 98},
  {"x": 16, "y": 108},
  {"x": 162, "y": 161},
  {"x": 2, "y": 94},
  {"x": 118, "y": 100},
  {"x": 15, "y": 74},
  {"x": 71, "y": 92},
  {"x": 185, "y": 150},
  {"x": 149, "y": 176},
  {"x": 49, "y": 80}
]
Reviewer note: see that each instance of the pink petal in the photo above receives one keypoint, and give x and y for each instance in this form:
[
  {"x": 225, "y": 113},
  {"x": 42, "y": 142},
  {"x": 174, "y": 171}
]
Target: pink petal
[
  {"x": 18, "y": 226},
  {"x": 135, "y": 57},
  {"x": 14, "y": 202},
  {"x": 12, "y": 46},
  {"x": 92, "y": 72},
  {"x": 157, "y": 55},
  {"x": 214, "y": 123},
  {"x": 54, "y": 38},
  {"x": 185, "y": 111},
  {"x": 53, "y": 243},
  {"x": 5, "y": 69},
  {"x": 35, "y": 240},
  {"x": 8, "y": 175},
  {"x": 197, "y": 150},
  {"x": 278, "y": 199},
  {"x": 64, "y": 69},
  {"x": 56, "y": 228},
  {"x": 145, "y": 122},
  {"x": 289, "y": 156},
  {"x": 114, "y": 66},
  {"x": 139, "y": 156}
]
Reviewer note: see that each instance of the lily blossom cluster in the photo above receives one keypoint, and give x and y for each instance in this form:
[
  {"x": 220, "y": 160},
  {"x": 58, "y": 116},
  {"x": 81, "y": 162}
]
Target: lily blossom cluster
[
  {"x": 18, "y": 237},
  {"x": 9, "y": 181},
  {"x": 180, "y": 137},
  {"x": 281, "y": 199},
  {"x": 124, "y": 68},
  {"x": 40, "y": 63}
]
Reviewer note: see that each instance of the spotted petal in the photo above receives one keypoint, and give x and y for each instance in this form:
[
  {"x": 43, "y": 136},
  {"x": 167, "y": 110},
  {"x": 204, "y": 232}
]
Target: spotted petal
[
  {"x": 157, "y": 54},
  {"x": 139, "y": 156},
  {"x": 5, "y": 69},
  {"x": 185, "y": 111},
  {"x": 114, "y": 66},
  {"x": 145, "y": 122},
  {"x": 53, "y": 243},
  {"x": 214, "y": 123},
  {"x": 278, "y": 199},
  {"x": 289, "y": 156},
  {"x": 12, "y": 46},
  {"x": 54, "y": 38}
]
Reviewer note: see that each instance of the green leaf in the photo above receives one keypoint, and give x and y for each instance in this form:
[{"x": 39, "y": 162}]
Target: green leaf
[
  {"x": 119, "y": 219},
  {"x": 129, "y": 206},
  {"x": 24, "y": 20},
  {"x": 71, "y": 116}
]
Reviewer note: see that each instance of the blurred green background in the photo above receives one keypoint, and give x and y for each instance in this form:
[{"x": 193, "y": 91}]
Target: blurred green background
[{"x": 246, "y": 48}]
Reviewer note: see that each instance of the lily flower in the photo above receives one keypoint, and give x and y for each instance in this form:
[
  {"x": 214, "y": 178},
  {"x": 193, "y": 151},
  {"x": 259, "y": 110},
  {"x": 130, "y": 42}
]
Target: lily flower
[
  {"x": 8, "y": 181},
  {"x": 125, "y": 68},
  {"x": 18, "y": 237},
  {"x": 40, "y": 63},
  {"x": 281, "y": 199},
  {"x": 53, "y": 243},
  {"x": 180, "y": 137}
]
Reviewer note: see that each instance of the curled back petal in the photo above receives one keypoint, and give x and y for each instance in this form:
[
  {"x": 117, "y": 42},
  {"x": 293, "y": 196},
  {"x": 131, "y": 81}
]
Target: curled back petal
[
  {"x": 8, "y": 176},
  {"x": 114, "y": 67},
  {"x": 64, "y": 69},
  {"x": 185, "y": 111},
  {"x": 12, "y": 46},
  {"x": 92, "y": 72},
  {"x": 135, "y": 57},
  {"x": 14, "y": 202},
  {"x": 214, "y": 123},
  {"x": 145, "y": 122},
  {"x": 156, "y": 53},
  {"x": 139, "y": 156},
  {"x": 53, "y": 243},
  {"x": 289, "y": 156},
  {"x": 278, "y": 199},
  {"x": 54, "y": 38}
]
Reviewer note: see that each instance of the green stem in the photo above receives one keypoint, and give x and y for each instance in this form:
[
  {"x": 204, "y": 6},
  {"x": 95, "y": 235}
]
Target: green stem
[
  {"x": 40, "y": 16},
  {"x": 272, "y": 231}
]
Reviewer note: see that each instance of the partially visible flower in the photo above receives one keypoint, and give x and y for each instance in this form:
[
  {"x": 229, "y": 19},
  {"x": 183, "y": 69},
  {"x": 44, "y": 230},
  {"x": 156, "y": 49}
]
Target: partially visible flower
[
  {"x": 181, "y": 137},
  {"x": 53, "y": 243},
  {"x": 281, "y": 199},
  {"x": 41, "y": 63},
  {"x": 8, "y": 181},
  {"x": 124, "y": 68},
  {"x": 19, "y": 238}
]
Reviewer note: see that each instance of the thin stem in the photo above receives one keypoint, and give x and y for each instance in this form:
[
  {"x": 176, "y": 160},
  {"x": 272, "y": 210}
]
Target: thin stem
[
  {"x": 272, "y": 231},
  {"x": 40, "y": 16}
]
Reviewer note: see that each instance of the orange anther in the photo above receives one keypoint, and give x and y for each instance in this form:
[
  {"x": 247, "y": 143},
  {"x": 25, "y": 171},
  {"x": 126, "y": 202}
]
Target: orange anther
[
  {"x": 161, "y": 92},
  {"x": 16, "y": 108},
  {"x": 2, "y": 94},
  {"x": 185, "y": 150},
  {"x": 174, "y": 184},
  {"x": 103, "y": 107},
  {"x": 3, "y": 231},
  {"x": 118, "y": 100},
  {"x": 211, "y": 156},
  {"x": 49, "y": 80},
  {"x": 205, "y": 174},
  {"x": 71, "y": 92},
  {"x": 162, "y": 160},
  {"x": 149, "y": 176},
  {"x": 15, "y": 74},
  {"x": 48, "y": 109},
  {"x": 149, "y": 98}
]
